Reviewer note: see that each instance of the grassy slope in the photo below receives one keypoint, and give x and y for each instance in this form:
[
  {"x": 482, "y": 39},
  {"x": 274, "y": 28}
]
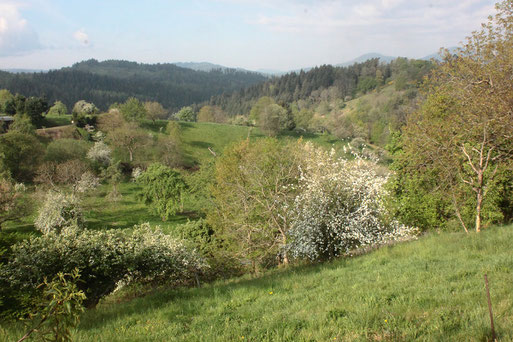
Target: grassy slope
[
  {"x": 426, "y": 290},
  {"x": 197, "y": 137}
]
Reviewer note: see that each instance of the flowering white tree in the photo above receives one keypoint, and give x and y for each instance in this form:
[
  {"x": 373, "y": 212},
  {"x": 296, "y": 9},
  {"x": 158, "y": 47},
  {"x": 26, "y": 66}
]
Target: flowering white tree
[
  {"x": 100, "y": 153},
  {"x": 339, "y": 207},
  {"x": 59, "y": 210},
  {"x": 88, "y": 181}
]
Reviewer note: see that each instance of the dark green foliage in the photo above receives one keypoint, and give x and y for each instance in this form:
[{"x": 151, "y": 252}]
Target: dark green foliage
[
  {"x": 20, "y": 155},
  {"x": 35, "y": 109},
  {"x": 199, "y": 234},
  {"x": 115, "y": 81},
  {"x": 367, "y": 84},
  {"x": 163, "y": 190}
]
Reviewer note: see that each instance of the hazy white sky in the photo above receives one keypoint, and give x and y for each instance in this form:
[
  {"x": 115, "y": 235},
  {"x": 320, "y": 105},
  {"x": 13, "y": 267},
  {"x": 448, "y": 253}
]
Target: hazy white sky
[{"x": 252, "y": 34}]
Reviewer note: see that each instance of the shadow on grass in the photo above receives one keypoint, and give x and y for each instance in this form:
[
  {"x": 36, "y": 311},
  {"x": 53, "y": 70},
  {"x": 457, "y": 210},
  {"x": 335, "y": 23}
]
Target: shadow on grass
[
  {"x": 200, "y": 144},
  {"x": 161, "y": 298},
  {"x": 185, "y": 125},
  {"x": 159, "y": 126}
]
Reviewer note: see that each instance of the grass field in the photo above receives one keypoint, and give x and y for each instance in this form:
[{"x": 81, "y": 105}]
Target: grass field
[
  {"x": 426, "y": 290},
  {"x": 57, "y": 120},
  {"x": 197, "y": 137}
]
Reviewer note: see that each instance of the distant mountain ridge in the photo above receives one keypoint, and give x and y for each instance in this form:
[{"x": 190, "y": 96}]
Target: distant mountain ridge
[
  {"x": 17, "y": 71},
  {"x": 366, "y": 57}
]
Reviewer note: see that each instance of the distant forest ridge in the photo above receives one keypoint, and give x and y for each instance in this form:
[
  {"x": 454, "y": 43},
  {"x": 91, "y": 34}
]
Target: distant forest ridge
[
  {"x": 326, "y": 82},
  {"x": 107, "y": 82},
  {"x": 234, "y": 90}
]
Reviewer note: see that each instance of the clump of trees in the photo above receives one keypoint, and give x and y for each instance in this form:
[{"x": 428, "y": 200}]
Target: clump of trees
[
  {"x": 273, "y": 201},
  {"x": 271, "y": 117},
  {"x": 456, "y": 151}
]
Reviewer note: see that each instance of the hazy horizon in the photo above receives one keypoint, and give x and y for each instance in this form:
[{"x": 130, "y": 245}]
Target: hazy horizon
[{"x": 249, "y": 34}]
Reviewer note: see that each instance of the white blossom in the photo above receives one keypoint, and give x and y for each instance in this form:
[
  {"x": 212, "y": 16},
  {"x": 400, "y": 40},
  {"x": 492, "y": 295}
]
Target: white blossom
[
  {"x": 100, "y": 152},
  {"x": 339, "y": 207}
]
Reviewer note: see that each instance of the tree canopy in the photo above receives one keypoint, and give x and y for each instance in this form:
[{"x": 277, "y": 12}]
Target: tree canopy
[{"x": 462, "y": 133}]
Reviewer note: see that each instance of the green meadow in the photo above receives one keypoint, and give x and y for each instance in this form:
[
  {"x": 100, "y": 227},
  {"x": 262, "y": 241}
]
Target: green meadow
[{"x": 431, "y": 289}]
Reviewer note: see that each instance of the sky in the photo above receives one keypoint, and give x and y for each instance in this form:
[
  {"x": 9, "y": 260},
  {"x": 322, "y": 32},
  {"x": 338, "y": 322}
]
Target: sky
[{"x": 251, "y": 34}]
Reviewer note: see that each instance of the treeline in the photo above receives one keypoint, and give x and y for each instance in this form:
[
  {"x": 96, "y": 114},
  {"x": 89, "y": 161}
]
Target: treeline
[
  {"x": 336, "y": 83},
  {"x": 104, "y": 83}
]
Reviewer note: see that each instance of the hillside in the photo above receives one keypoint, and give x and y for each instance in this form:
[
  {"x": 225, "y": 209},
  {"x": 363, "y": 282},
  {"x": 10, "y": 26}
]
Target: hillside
[
  {"x": 326, "y": 83},
  {"x": 430, "y": 290},
  {"x": 104, "y": 83}
]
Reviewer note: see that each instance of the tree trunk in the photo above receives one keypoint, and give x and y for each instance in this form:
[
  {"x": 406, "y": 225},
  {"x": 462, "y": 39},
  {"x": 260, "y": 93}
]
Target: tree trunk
[
  {"x": 285, "y": 259},
  {"x": 478, "y": 210},
  {"x": 131, "y": 155}
]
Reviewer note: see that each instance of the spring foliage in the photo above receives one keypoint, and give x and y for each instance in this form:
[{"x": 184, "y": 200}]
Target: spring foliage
[{"x": 300, "y": 201}]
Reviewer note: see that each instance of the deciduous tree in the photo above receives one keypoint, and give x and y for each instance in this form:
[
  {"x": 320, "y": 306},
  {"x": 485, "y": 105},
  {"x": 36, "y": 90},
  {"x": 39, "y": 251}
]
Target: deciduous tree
[
  {"x": 254, "y": 186},
  {"x": 163, "y": 189},
  {"x": 462, "y": 133},
  {"x": 155, "y": 111}
]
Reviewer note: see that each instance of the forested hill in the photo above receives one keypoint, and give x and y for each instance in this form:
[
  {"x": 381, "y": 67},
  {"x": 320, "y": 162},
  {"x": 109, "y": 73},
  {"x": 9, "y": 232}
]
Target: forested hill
[
  {"x": 326, "y": 82},
  {"x": 104, "y": 83}
]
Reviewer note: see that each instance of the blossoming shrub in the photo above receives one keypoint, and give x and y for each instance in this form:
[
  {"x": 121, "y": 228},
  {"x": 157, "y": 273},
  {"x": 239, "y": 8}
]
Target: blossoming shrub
[
  {"x": 339, "y": 207},
  {"x": 100, "y": 153},
  {"x": 58, "y": 210},
  {"x": 103, "y": 258}
]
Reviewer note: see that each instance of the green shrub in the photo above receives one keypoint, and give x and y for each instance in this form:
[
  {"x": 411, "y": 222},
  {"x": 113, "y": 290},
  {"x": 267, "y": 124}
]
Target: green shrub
[
  {"x": 104, "y": 259},
  {"x": 62, "y": 150},
  {"x": 20, "y": 155},
  {"x": 59, "y": 309}
]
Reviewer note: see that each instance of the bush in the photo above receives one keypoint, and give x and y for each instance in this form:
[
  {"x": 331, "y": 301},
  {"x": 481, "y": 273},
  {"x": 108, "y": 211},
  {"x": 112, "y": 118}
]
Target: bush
[
  {"x": 104, "y": 259},
  {"x": 59, "y": 309},
  {"x": 14, "y": 204},
  {"x": 87, "y": 182},
  {"x": 61, "y": 150}
]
